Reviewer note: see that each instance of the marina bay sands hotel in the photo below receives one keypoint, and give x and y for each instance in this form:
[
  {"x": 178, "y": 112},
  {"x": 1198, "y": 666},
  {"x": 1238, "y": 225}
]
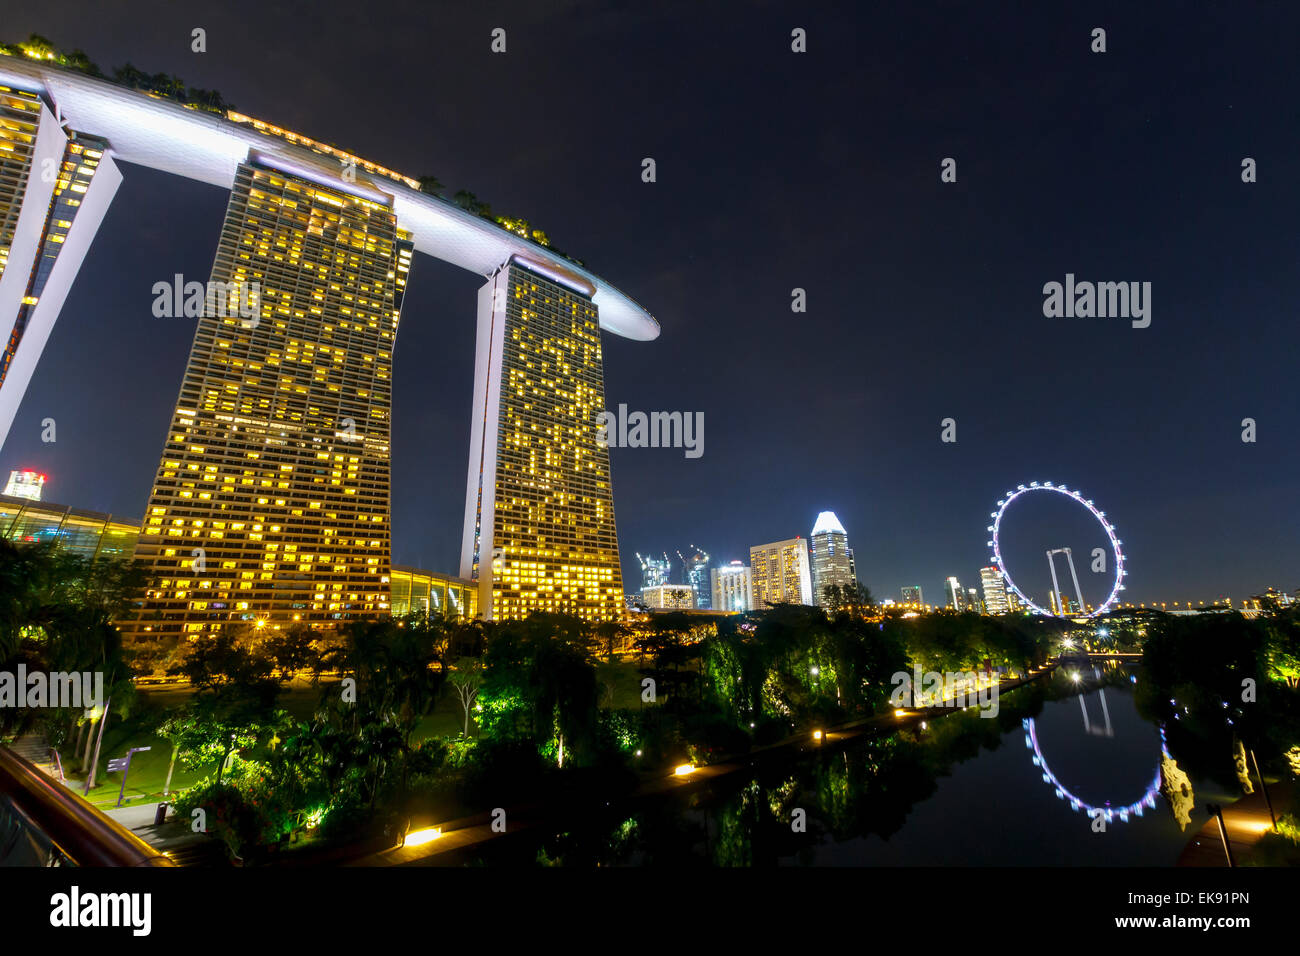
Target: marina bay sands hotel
[{"x": 271, "y": 500}]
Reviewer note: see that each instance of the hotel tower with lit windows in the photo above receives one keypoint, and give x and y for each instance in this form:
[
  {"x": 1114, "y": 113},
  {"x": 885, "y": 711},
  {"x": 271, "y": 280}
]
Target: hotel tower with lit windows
[
  {"x": 271, "y": 499},
  {"x": 271, "y": 503},
  {"x": 539, "y": 507}
]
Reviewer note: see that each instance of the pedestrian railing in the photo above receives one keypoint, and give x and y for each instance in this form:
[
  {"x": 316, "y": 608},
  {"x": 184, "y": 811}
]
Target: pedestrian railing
[{"x": 43, "y": 823}]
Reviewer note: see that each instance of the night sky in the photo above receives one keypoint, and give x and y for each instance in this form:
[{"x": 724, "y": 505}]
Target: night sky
[{"x": 779, "y": 170}]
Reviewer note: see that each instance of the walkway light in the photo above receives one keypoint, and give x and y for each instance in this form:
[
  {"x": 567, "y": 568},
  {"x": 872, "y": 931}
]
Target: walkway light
[{"x": 421, "y": 837}]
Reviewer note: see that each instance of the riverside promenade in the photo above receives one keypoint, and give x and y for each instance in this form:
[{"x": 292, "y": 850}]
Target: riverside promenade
[{"x": 1246, "y": 821}]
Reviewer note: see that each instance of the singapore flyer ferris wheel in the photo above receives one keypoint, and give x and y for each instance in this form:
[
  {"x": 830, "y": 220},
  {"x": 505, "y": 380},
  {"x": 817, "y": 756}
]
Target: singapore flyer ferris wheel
[{"x": 1100, "y": 516}]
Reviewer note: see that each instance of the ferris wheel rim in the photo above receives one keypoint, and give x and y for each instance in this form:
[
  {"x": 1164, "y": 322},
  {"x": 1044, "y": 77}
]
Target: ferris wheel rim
[{"x": 1115, "y": 543}]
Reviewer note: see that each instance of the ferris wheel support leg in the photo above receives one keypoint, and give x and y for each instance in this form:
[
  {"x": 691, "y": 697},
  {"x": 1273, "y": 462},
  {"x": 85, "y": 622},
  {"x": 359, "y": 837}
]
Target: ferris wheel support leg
[
  {"x": 1078, "y": 595},
  {"x": 1106, "y": 710},
  {"x": 1056, "y": 588}
]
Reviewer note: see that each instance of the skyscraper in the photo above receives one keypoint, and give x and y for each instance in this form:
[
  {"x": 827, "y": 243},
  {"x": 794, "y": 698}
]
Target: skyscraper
[
  {"x": 832, "y": 561},
  {"x": 697, "y": 576},
  {"x": 654, "y": 571},
  {"x": 781, "y": 573},
  {"x": 956, "y": 597},
  {"x": 973, "y": 602},
  {"x": 539, "y": 506},
  {"x": 270, "y": 503},
  {"x": 733, "y": 587},
  {"x": 995, "y": 591},
  {"x": 911, "y": 594}
]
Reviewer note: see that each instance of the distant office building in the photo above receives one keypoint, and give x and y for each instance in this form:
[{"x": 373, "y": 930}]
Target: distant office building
[
  {"x": 912, "y": 594},
  {"x": 426, "y": 592},
  {"x": 781, "y": 573},
  {"x": 697, "y": 576},
  {"x": 733, "y": 588},
  {"x": 669, "y": 596},
  {"x": 85, "y": 533},
  {"x": 654, "y": 571},
  {"x": 995, "y": 591},
  {"x": 1062, "y": 604},
  {"x": 956, "y": 598},
  {"x": 25, "y": 484},
  {"x": 973, "y": 602},
  {"x": 832, "y": 560}
]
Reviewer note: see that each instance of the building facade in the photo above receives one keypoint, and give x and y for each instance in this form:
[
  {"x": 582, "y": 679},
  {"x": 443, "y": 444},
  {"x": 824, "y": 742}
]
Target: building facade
[
  {"x": 271, "y": 501},
  {"x": 781, "y": 573},
  {"x": 539, "y": 504},
  {"x": 832, "y": 560},
  {"x": 956, "y": 596},
  {"x": 669, "y": 597},
  {"x": 911, "y": 594},
  {"x": 995, "y": 591},
  {"x": 733, "y": 588}
]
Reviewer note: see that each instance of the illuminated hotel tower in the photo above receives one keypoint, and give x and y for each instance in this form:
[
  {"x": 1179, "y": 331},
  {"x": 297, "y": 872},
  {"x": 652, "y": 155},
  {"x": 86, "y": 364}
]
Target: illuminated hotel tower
[
  {"x": 539, "y": 507},
  {"x": 55, "y": 187},
  {"x": 271, "y": 502},
  {"x": 780, "y": 573}
]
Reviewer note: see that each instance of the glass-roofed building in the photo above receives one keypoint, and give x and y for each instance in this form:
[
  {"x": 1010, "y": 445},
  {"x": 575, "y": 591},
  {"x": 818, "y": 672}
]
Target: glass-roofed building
[{"x": 88, "y": 533}]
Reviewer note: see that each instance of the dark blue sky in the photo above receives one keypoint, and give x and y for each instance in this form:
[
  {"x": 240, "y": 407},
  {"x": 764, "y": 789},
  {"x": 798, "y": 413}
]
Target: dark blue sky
[{"x": 776, "y": 171}]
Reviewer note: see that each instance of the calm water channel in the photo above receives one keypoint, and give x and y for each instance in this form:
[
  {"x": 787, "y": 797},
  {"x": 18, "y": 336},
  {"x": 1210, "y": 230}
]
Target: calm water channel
[{"x": 963, "y": 790}]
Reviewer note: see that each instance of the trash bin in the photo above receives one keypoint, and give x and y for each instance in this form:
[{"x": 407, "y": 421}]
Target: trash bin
[{"x": 160, "y": 815}]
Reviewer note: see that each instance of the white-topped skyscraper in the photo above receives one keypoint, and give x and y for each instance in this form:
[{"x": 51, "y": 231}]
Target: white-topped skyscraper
[{"x": 832, "y": 558}]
